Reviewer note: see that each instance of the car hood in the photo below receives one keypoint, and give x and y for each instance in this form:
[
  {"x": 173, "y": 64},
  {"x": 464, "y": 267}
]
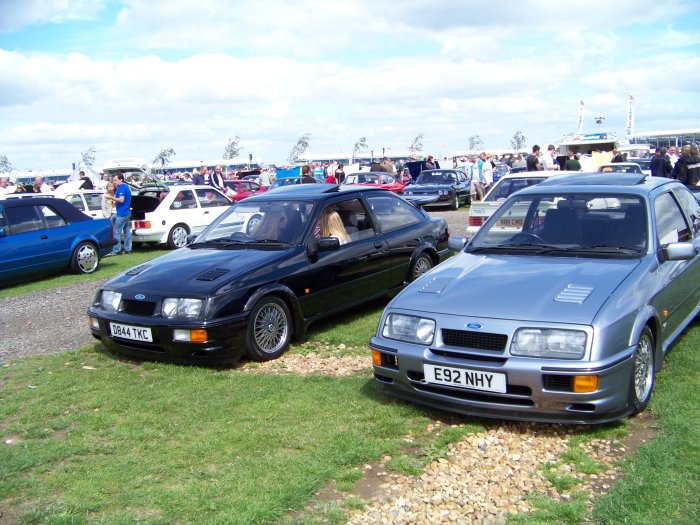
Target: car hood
[
  {"x": 195, "y": 271},
  {"x": 533, "y": 288}
]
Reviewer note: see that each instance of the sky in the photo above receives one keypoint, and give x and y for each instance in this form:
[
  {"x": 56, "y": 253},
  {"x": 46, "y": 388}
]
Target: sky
[{"x": 130, "y": 78}]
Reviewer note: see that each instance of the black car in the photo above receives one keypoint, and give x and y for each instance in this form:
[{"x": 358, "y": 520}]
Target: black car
[
  {"x": 264, "y": 270},
  {"x": 450, "y": 186}
]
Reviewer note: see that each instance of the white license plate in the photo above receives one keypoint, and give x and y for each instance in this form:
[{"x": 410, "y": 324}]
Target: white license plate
[
  {"x": 135, "y": 333},
  {"x": 465, "y": 378}
]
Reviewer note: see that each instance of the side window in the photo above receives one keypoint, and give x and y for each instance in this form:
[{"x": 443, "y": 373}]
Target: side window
[
  {"x": 94, "y": 201},
  {"x": 76, "y": 201},
  {"x": 347, "y": 220},
  {"x": 183, "y": 199},
  {"x": 23, "y": 219},
  {"x": 393, "y": 213},
  {"x": 670, "y": 224},
  {"x": 691, "y": 207},
  {"x": 53, "y": 220},
  {"x": 211, "y": 198}
]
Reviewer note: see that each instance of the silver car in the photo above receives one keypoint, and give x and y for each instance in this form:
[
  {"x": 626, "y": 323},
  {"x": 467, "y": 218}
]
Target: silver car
[{"x": 565, "y": 320}]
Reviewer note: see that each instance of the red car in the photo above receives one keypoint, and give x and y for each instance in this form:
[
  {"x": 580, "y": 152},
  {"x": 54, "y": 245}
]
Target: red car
[
  {"x": 237, "y": 190},
  {"x": 378, "y": 179}
]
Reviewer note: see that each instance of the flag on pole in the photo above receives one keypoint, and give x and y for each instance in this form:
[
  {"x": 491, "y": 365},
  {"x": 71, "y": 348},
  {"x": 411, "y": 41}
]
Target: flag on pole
[
  {"x": 630, "y": 115},
  {"x": 580, "y": 117}
]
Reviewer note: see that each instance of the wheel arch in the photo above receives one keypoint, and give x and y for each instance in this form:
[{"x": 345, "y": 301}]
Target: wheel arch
[
  {"x": 427, "y": 249},
  {"x": 287, "y": 295},
  {"x": 649, "y": 317}
]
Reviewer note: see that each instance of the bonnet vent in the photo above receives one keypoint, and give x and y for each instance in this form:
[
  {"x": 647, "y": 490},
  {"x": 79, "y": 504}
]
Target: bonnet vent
[
  {"x": 138, "y": 269},
  {"x": 213, "y": 274},
  {"x": 574, "y": 294}
]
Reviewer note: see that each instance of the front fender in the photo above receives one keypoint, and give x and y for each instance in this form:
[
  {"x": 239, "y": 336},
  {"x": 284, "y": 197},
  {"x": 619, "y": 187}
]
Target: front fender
[{"x": 647, "y": 315}]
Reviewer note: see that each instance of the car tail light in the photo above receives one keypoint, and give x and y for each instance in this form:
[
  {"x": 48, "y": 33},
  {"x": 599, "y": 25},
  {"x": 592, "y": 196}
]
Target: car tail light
[
  {"x": 476, "y": 221},
  {"x": 140, "y": 224}
]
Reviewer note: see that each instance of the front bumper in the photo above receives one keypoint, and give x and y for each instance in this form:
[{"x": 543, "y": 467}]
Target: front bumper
[
  {"x": 535, "y": 388},
  {"x": 225, "y": 342}
]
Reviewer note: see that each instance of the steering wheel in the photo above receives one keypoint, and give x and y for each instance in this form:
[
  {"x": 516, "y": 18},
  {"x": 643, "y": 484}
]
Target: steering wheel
[{"x": 525, "y": 238}]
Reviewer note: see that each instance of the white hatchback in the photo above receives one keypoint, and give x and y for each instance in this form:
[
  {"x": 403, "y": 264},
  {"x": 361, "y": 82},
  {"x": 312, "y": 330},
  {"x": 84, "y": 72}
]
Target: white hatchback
[
  {"x": 480, "y": 211},
  {"x": 167, "y": 215}
]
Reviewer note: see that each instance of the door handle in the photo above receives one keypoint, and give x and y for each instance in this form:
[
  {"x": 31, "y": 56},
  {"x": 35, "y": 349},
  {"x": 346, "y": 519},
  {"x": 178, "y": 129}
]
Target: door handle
[{"x": 44, "y": 236}]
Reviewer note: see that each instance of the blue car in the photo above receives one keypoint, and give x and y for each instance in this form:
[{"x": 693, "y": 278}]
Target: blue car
[
  {"x": 43, "y": 235},
  {"x": 561, "y": 308}
]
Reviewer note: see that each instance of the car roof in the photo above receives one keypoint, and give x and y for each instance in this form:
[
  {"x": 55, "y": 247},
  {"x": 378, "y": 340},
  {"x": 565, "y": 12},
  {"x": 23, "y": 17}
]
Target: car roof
[
  {"x": 313, "y": 191},
  {"x": 69, "y": 212},
  {"x": 530, "y": 174},
  {"x": 592, "y": 182}
]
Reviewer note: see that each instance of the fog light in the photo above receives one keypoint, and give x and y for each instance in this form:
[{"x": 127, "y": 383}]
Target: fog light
[
  {"x": 94, "y": 324},
  {"x": 190, "y": 336},
  {"x": 376, "y": 358},
  {"x": 585, "y": 384}
]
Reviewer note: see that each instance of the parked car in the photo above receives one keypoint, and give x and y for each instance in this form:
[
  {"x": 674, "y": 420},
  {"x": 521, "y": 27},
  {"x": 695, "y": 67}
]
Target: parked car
[
  {"x": 167, "y": 215},
  {"x": 87, "y": 201},
  {"x": 501, "y": 190},
  {"x": 644, "y": 164},
  {"x": 502, "y": 169},
  {"x": 566, "y": 320},
  {"x": 44, "y": 235},
  {"x": 378, "y": 179},
  {"x": 287, "y": 181},
  {"x": 246, "y": 289},
  {"x": 450, "y": 186},
  {"x": 620, "y": 167},
  {"x": 240, "y": 189}
]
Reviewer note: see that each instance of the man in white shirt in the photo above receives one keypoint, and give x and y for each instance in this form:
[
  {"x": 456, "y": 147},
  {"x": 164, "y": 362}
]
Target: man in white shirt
[
  {"x": 40, "y": 186},
  {"x": 3, "y": 187},
  {"x": 548, "y": 159}
]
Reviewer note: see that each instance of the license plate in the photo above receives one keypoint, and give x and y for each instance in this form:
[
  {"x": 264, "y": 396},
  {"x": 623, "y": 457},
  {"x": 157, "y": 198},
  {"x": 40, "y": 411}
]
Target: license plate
[
  {"x": 511, "y": 223},
  {"x": 465, "y": 378},
  {"x": 134, "y": 333}
]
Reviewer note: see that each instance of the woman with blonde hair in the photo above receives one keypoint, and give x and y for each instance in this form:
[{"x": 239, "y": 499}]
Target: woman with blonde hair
[
  {"x": 109, "y": 206},
  {"x": 332, "y": 226}
]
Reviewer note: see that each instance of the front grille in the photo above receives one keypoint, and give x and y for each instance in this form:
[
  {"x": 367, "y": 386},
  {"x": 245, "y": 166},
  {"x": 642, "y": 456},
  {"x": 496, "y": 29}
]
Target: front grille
[
  {"x": 142, "y": 308},
  {"x": 478, "y": 340}
]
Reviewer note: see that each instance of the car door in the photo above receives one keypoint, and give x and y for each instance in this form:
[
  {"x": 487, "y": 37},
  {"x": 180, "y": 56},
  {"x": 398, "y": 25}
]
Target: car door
[
  {"x": 352, "y": 272},
  {"x": 29, "y": 246},
  {"x": 398, "y": 221},
  {"x": 185, "y": 209},
  {"x": 212, "y": 203},
  {"x": 679, "y": 279}
]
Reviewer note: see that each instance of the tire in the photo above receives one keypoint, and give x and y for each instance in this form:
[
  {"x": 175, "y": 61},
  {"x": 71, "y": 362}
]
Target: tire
[
  {"x": 85, "y": 258},
  {"x": 269, "y": 329},
  {"x": 177, "y": 238},
  {"x": 422, "y": 265},
  {"x": 455, "y": 203},
  {"x": 643, "y": 371},
  {"x": 252, "y": 223}
]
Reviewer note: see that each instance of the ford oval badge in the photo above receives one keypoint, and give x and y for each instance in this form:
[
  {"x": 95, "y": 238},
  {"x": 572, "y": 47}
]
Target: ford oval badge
[
  {"x": 139, "y": 296},
  {"x": 474, "y": 326}
]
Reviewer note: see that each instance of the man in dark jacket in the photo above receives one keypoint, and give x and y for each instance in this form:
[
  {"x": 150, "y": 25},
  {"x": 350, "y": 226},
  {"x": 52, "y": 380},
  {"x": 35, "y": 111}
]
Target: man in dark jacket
[
  {"x": 687, "y": 169},
  {"x": 661, "y": 164}
]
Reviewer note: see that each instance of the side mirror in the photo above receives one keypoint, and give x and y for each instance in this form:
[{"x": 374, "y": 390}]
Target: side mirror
[
  {"x": 2, "y": 232},
  {"x": 190, "y": 239},
  {"x": 456, "y": 244},
  {"x": 678, "y": 251},
  {"x": 326, "y": 244}
]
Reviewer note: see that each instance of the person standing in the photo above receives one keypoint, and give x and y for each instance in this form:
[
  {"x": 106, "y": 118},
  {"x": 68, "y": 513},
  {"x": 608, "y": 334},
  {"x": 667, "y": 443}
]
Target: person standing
[
  {"x": 430, "y": 163},
  {"x": 339, "y": 173},
  {"x": 3, "y": 187},
  {"x": 572, "y": 163},
  {"x": 86, "y": 183},
  {"x": 673, "y": 155},
  {"x": 306, "y": 176},
  {"x": 122, "y": 221},
  {"x": 532, "y": 162},
  {"x": 617, "y": 156},
  {"x": 548, "y": 159},
  {"x": 487, "y": 173},
  {"x": 687, "y": 169},
  {"x": 201, "y": 178},
  {"x": 660, "y": 164},
  {"x": 217, "y": 178},
  {"x": 108, "y": 205}
]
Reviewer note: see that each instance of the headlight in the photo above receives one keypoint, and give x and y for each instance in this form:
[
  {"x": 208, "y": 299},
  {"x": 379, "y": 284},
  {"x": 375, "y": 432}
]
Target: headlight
[
  {"x": 409, "y": 328},
  {"x": 549, "y": 343},
  {"x": 110, "y": 300},
  {"x": 442, "y": 192},
  {"x": 175, "y": 307}
]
